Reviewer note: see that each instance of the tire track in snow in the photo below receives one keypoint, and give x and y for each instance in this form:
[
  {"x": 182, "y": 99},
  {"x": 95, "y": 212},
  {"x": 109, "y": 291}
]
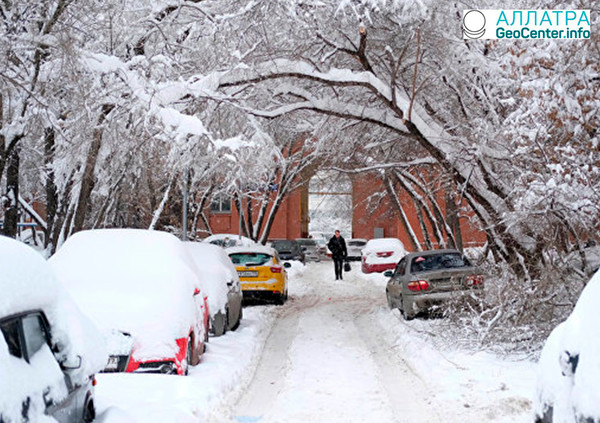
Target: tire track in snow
[{"x": 323, "y": 361}]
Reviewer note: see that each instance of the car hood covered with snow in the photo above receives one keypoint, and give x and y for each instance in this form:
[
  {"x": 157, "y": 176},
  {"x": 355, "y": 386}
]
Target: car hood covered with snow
[
  {"x": 569, "y": 366},
  {"x": 27, "y": 283},
  {"x": 135, "y": 281}
]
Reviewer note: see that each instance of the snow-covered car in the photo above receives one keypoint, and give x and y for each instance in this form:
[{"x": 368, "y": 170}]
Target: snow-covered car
[
  {"x": 49, "y": 351},
  {"x": 141, "y": 289},
  {"x": 220, "y": 282},
  {"x": 261, "y": 272},
  {"x": 428, "y": 278},
  {"x": 229, "y": 240},
  {"x": 354, "y": 246},
  {"x": 569, "y": 367},
  {"x": 312, "y": 251},
  {"x": 382, "y": 254}
]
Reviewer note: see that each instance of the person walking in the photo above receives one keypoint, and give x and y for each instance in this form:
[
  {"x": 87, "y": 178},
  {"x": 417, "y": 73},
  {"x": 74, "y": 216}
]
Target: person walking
[{"x": 337, "y": 246}]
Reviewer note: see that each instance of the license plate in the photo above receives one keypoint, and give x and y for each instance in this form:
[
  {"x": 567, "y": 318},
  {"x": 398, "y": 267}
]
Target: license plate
[
  {"x": 248, "y": 273},
  {"x": 113, "y": 363}
]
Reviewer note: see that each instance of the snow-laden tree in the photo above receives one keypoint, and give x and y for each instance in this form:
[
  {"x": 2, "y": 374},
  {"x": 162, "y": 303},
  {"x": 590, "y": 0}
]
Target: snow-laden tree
[{"x": 402, "y": 66}]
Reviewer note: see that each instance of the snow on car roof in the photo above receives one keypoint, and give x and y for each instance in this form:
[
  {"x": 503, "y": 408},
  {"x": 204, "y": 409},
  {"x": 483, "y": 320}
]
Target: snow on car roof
[
  {"x": 382, "y": 243},
  {"x": 215, "y": 269},
  {"x": 432, "y": 252},
  {"x": 28, "y": 283},
  {"x": 133, "y": 280},
  {"x": 252, "y": 249},
  {"x": 233, "y": 237},
  {"x": 26, "y": 280}
]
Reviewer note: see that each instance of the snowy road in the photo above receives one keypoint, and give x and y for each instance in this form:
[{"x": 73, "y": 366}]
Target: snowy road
[
  {"x": 333, "y": 353},
  {"x": 329, "y": 358}
]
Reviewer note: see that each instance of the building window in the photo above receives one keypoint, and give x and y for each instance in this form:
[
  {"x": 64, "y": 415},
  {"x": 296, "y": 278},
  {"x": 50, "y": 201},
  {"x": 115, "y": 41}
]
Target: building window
[{"x": 221, "y": 204}]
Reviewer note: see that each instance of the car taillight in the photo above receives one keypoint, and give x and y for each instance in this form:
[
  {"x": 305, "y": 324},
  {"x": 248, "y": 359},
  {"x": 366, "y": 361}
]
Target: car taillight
[
  {"x": 94, "y": 381},
  {"x": 474, "y": 280},
  {"x": 418, "y": 286},
  {"x": 385, "y": 253},
  {"x": 276, "y": 269}
]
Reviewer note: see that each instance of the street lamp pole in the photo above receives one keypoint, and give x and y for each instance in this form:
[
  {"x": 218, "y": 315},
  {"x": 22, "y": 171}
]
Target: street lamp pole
[{"x": 185, "y": 204}]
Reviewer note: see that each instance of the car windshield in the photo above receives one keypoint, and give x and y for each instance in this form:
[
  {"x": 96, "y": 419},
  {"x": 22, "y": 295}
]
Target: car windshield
[
  {"x": 357, "y": 243},
  {"x": 248, "y": 259},
  {"x": 427, "y": 263},
  {"x": 307, "y": 242}
]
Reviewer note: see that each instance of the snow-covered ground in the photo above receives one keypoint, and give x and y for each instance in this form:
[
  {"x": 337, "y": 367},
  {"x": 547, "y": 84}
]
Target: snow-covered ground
[{"x": 334, "y": 352}]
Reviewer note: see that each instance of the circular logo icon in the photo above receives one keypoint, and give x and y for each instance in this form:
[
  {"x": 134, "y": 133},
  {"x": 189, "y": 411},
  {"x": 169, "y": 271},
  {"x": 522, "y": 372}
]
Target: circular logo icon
[{"x": 474, "y": 24}]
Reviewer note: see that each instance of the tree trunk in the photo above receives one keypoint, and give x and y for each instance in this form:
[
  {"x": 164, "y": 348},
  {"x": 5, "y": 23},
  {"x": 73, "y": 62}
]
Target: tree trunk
[
  {"x": 424, "y": 230},
  {"x": 415, "y": 244},
  {"x": 51, "y": 190},
  {"x": 452, "y": 217},
  {"x": 88, "y": 181},
  {"x": 11, "y": 214},
  {"x": 63, "y": 208}
]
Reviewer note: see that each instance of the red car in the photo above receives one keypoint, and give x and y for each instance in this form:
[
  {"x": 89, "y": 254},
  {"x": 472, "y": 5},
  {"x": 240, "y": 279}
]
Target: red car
[
  {"x": 142, "y": 291},
  {"x": 382, "y": 254}
]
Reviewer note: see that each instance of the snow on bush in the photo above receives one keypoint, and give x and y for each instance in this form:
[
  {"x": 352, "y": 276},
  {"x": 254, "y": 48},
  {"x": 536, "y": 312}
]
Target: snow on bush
[
  {"x": 132, "y": 280},
  {"x": 28, "y": 284}
]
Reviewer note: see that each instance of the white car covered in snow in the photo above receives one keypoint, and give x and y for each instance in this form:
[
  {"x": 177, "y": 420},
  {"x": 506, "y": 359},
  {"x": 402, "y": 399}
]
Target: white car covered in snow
[
  {"x": 141, "y": 289},
  {"x": 382, "y": 254},
  {"x": 49, "y": 352},
  {"x": 220, "y": 282},
  {"x": 569, "y": 366}
]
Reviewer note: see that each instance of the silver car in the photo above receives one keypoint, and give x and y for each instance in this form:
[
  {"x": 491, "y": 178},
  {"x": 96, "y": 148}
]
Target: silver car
[
  {"x": 354, "y": 247},
  {"x": 311, "y": 249},
  {"x": 428, "y": 278}
]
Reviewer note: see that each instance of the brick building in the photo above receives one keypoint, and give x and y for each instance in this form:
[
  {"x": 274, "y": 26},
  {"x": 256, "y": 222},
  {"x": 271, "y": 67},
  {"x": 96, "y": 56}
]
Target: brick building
[{"x": 368, "y": 220}]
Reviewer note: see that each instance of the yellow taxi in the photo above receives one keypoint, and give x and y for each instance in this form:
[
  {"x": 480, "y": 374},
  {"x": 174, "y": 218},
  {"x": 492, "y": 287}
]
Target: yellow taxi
[{"x": 261, "y": 271}]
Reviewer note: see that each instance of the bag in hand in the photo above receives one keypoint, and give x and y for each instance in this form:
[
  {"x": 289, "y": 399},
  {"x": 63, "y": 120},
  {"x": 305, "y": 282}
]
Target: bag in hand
[{"x": 347, "y": 267}]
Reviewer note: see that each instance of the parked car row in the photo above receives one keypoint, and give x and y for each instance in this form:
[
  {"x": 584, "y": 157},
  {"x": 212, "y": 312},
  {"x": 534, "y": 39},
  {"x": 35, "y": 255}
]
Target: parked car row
[{"x": 148, "y": 302}]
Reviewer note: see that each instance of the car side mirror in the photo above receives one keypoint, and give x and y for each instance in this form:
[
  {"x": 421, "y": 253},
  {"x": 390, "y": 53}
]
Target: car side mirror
[
  {"x": 287, "y": 265},
  {"x": 230, "y": 283},
  {"x": 71, "y": 363},
  {"x": 388, "y": 274},
  {"x": 568, "y": 363}
]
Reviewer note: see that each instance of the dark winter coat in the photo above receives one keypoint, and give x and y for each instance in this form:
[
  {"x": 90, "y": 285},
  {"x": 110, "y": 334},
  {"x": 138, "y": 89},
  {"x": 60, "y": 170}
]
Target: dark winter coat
[{"x": 337, "y": 246}]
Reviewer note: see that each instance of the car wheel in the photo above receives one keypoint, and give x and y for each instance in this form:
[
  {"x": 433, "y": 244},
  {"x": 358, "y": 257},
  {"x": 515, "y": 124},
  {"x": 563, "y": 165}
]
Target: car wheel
[
  {"x": 402, "y": 309},
  {"x": 239, "y": 320},
  {"x": 188, "y": 356},
  {"x": 280, "y": 300},
  {"x": 219, "y": 323},
  {"x": 547, "y": 417},
  {"x": 389, "y": 300},
  {"x": 89, "y": 413}
]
